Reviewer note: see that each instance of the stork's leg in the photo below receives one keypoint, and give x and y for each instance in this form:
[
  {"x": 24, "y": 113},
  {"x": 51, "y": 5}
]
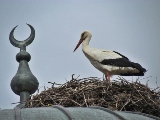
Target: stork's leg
[
  {"x": 104, "y": 78},
  {"x": 107, "y": 76}
]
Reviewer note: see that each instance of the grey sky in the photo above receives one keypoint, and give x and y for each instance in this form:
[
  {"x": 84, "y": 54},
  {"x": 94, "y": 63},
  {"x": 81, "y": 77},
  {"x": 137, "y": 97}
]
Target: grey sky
[{"x": 130, "y": 27}]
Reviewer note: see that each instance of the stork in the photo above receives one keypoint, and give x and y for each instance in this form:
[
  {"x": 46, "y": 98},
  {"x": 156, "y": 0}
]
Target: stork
[{"x": 107, "y": 61}]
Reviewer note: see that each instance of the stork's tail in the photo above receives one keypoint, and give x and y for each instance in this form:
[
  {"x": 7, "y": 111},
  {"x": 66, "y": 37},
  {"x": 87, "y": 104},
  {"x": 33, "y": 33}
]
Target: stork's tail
[{"x": 137, "y": 66}]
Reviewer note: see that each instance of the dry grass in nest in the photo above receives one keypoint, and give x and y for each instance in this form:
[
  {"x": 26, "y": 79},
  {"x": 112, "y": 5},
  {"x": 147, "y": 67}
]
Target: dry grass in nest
[{"x": 118, "y": 95}]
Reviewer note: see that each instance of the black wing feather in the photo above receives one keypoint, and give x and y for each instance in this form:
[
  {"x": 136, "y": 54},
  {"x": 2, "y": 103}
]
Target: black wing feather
[
  {"x": 121, "y": 55},
  {"x": 119, "y": 62},
  {"x": 123, "y": 62}
]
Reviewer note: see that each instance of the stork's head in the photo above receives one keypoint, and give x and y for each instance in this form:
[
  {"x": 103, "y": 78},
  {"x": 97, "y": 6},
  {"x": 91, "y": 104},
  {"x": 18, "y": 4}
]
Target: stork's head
[{"x": 84, "y": 35}]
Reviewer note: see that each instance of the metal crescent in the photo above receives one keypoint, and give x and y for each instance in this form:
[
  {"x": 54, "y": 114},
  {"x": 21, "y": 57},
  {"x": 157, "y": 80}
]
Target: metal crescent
[{"x": 24, "y": 43}]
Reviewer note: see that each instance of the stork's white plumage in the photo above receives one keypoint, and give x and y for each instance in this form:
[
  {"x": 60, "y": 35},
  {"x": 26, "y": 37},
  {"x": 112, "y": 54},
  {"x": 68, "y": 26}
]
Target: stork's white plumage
[{"x": 109, "y": 62}]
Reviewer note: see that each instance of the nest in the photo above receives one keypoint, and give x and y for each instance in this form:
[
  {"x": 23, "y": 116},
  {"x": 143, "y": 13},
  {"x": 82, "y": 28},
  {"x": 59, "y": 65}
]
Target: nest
[{"x": 119, "y": 95}]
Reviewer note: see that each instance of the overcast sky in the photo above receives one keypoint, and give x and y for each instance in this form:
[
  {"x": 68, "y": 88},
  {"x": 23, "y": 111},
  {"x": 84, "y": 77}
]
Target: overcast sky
[{"x": 130, "y": 27}]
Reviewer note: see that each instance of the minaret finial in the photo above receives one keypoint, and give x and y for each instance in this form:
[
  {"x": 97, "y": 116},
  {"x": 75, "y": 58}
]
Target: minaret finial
[
  {"x": 22, "y": 44},
  {"x": 24, "y": 83}
]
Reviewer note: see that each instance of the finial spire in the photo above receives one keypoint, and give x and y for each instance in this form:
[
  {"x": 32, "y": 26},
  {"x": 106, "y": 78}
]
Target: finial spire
[{"x": 24, "y": 83}]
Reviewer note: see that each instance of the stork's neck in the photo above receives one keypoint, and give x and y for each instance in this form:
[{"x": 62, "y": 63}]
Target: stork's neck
[
  {"x": 86, "y": 42},
  {"x": 86, "y": 49}
]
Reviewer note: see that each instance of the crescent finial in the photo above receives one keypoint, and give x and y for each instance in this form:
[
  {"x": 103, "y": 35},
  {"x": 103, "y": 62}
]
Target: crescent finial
[{"x": 22, "y": 44}]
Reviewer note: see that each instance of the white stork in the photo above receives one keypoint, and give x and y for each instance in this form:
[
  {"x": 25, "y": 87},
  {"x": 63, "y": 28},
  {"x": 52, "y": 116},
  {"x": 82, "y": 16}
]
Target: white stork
[{"x": 109, "y": 62}]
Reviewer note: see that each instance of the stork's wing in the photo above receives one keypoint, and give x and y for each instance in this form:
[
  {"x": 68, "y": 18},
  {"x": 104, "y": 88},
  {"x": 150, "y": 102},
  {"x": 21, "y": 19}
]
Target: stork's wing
[
  {"x": 107, "y": 57},
  {"x": 118, "y": 60},
  {"x": 121, "y": 61},
  {"x": 101, "y": 55},
  {"x": 121, "y": 55}
]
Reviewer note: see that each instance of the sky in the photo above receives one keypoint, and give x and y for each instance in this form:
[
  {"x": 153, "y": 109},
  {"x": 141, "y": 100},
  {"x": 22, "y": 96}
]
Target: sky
[{"x": 129, "y": 27}]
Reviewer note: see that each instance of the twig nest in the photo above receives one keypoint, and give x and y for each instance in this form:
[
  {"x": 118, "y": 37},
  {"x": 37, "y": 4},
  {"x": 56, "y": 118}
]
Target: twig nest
[{"x": 118, "y": 95}]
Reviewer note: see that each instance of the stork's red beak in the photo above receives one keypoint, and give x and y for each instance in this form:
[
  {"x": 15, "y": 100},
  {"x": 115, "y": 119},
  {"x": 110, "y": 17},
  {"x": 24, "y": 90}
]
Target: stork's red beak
[{"x": 80, "y": 41}]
